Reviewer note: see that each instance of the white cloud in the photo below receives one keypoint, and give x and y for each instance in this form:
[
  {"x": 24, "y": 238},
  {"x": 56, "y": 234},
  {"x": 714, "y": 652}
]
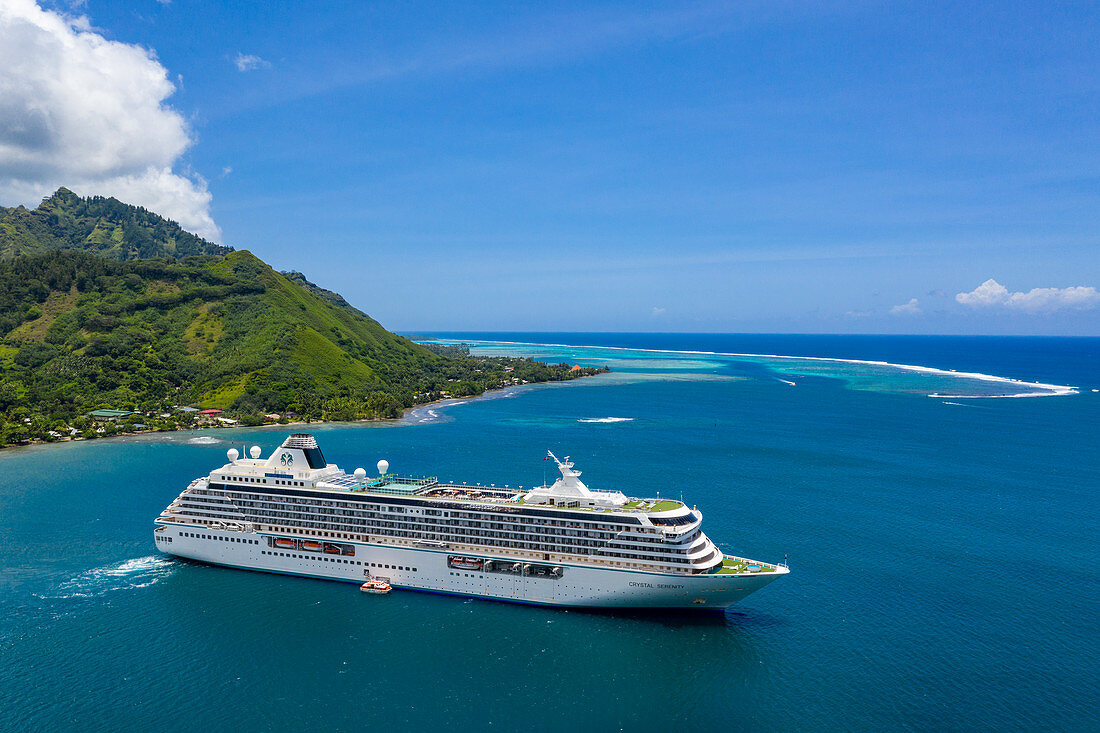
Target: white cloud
[
  {"x": 81, "y": 111},
  {"x": 1048, "y": 299},
  {"x": 1037, "y": 300},
  {"x": 249, "y": 62},
  {"x": 912, "y": 308},
  {"x": 658, "y": 312},
  {"x": 988, "y": 293}
]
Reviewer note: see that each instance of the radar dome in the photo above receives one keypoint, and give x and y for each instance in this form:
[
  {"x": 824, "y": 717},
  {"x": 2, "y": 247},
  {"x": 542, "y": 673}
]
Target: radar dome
[
  {"x": 383, "y": 466},
  {"x": 254, "y": 451},
  {"x": 232, "y": 454},
  {"x": 360, "y": 474}
]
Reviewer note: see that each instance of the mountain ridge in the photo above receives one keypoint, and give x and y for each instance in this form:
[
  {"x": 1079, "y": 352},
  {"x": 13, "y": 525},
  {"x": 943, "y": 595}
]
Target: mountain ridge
[{"x": 102, "y": 225}]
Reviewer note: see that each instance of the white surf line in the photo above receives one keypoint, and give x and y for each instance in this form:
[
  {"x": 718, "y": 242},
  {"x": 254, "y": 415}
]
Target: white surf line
[
  {"x": 1055, "y": 389},
  {"x": 606, "y": 419}
]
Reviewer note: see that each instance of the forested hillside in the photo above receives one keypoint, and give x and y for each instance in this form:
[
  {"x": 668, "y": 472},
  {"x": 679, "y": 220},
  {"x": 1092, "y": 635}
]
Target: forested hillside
[
  {"x": 103, "y": 226},
  {"x": 81, "y": 330}
]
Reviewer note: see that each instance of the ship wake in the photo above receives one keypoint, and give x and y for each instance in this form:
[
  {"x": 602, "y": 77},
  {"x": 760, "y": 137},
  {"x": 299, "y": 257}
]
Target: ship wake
[{"x": 140, "y": 572}]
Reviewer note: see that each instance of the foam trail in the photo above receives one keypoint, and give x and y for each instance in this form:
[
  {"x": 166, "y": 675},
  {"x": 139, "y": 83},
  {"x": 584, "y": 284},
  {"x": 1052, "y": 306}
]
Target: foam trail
[
  {"x": 203, "y": 440},
  {"x": 606, "y": 419},
  {"x": 787, "y": 381},
  {"x": 139, "y": 572},
  {"x": 1054, "y": 389}
]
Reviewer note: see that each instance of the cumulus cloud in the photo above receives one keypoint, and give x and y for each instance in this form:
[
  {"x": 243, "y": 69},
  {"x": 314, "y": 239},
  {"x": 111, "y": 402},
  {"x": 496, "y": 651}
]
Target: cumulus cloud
[
  {"x": 912, "y": 308},
  {"x": 991, "y": 294},
  {"x": 657, "y": 312},
  {"x": 988, "y": 293},
  {"x": 81, "y": 111},
  {"x": 248, "y": 62}
]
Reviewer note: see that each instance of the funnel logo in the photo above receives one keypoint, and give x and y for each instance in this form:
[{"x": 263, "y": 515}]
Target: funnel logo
[{"x": 286, "y": 460}]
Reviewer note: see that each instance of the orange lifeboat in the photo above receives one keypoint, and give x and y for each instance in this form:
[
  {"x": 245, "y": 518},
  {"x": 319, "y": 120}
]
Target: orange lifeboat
[{"x": 378, "y": 587}]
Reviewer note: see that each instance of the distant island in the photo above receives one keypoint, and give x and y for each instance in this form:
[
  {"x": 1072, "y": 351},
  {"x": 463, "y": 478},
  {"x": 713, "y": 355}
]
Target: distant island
[{"x": 114, "y": 319}]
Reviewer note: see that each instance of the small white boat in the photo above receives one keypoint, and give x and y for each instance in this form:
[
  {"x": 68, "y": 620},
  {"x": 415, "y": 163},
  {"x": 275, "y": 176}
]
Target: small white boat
[{"x": 379, "y": 587}]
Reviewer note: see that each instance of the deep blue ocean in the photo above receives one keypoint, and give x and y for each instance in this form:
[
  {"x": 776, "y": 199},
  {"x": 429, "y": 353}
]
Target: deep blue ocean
[{"x": 943, "y": 553}]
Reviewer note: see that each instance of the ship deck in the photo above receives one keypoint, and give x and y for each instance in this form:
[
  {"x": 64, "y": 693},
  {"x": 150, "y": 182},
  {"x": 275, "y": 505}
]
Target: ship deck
[
  {"x": 430, "y": 487},
  {"x": 736, "y": 565}
]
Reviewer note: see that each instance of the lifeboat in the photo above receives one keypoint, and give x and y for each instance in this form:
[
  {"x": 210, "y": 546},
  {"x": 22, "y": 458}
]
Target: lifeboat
[
  {"x": 378, "y": 587},
  {"x": 331, "y": 549},
  {"x": 467, "y": 563},
  {"x": 286, "y": 544},
  {"x": 311, "y": 545}
]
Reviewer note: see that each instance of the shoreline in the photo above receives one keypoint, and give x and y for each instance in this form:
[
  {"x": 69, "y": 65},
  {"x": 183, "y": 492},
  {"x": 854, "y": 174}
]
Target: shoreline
[
  {"x": 1055, "y": 390},
  {"x": 405, "y": 413}
]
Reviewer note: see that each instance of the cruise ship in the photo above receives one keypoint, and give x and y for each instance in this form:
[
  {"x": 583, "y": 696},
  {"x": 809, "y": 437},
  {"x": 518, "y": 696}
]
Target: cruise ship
[{"x": 561, "y": 544}]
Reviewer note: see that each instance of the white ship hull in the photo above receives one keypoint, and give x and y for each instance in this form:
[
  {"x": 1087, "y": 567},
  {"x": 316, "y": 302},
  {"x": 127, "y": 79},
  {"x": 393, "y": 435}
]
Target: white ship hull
[{"x": 424, "y": 569}]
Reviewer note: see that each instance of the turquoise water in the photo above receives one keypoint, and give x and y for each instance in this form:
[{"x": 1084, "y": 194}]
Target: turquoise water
[{"x": 942, "y": 552}]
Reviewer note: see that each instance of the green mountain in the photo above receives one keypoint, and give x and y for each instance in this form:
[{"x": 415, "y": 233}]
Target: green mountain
[
  {"x": 103, "y": 226},
  {"x": 327, "y": 295},
  {"x": 81, "y": 330}
]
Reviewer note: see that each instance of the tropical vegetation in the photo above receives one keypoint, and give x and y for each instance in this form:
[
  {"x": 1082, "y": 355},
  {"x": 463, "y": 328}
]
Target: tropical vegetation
[{"x": 105, "y": 305}]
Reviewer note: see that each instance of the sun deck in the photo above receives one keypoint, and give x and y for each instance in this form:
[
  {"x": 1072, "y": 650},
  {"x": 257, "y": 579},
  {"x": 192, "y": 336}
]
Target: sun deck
[
  {"x": 738, "y": 565},
  {"x": 430, "y": 487}
]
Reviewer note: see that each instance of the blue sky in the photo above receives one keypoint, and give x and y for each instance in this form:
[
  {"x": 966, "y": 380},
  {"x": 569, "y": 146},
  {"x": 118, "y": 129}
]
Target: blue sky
[{"x": 733, "y": 166}]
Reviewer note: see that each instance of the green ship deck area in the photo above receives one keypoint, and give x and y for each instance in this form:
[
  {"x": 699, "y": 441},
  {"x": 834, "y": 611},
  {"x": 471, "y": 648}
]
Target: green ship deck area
[{"x": 733, "y": 566}]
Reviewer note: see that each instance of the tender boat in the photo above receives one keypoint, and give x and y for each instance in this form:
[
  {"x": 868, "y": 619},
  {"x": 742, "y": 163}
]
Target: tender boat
[{"x": 376, "y": 586}]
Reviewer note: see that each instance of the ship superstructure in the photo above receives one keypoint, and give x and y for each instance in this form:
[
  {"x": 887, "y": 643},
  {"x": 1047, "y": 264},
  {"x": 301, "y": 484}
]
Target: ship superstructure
[{"x": 562, "y": 544}]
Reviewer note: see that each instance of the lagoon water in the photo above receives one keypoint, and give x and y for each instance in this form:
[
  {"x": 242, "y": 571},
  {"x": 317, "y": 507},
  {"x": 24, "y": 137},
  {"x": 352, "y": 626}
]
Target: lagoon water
[{"x": 943, "y": 555}]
